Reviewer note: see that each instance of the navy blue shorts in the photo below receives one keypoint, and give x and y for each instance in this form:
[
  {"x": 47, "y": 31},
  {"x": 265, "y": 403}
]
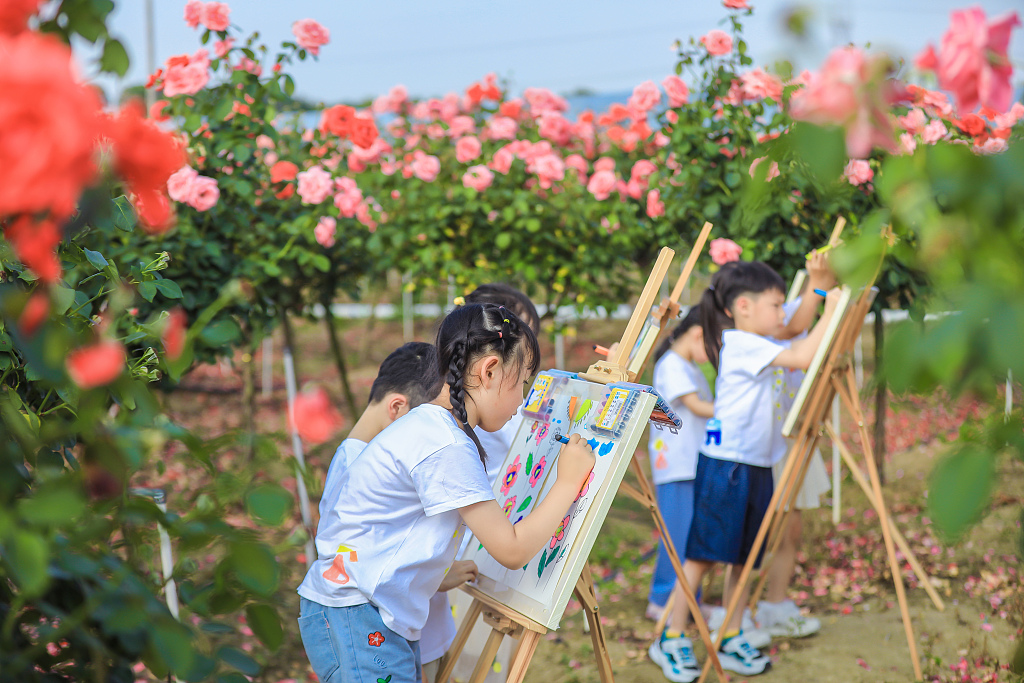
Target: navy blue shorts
[{"x": 730, "y": 500}]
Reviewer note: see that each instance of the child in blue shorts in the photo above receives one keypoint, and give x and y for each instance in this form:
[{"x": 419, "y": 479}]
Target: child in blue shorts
[{"x": 733, "y": 484}]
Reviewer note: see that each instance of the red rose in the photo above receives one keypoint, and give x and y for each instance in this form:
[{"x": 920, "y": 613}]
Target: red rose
[
  {"x": 282, "y": 171},
  {"x": 144, "y": 155},
  {"x": 49, "y": 123},
  {"x": 315, "y": 418},
  {"x": 96, "y": 365},
  {"x": 337, "y": 120},
  {"x": 14, "y": 14},
  {"x": 363, "y": 131},
  {"x": 35, "y": 312},
  {"x": 35, "y": 245},
  {"x": 173, "y": 336}
]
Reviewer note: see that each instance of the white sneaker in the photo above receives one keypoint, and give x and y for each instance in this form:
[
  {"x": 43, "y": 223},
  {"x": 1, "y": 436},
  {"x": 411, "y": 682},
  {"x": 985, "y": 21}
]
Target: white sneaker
[
  {"x": 783, "y": 619},
  {"x": 756, "y": 636},
  {"x": 654, "y": 611},
  {"x": 675, "y": 657},
  {"x": 737, "y": 654}
]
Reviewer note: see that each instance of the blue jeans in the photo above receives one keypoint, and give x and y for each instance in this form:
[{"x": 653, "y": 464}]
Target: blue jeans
[
  {"x": 675, "y": 501},
  {"x": 352, "y": 645}
]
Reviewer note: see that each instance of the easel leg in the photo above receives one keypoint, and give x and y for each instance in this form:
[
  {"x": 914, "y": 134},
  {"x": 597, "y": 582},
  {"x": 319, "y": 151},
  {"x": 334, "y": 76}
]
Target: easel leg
[
  {"x": 647, "y": 497},
  {"x": 853, "y": 404},
  {"x": 452, "y": 656},
  {"x": 904, "y": 547},
  {"x": 588, "y": 598},
  {"x": 483, "y": 665},
  {"x": 527, "y": 646}
]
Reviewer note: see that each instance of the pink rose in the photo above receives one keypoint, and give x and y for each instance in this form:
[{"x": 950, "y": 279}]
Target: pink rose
[
  {"x": 991, "y": 146},
  {"x": 502, "y": 160},
  {"x": 858, "y": 172},
  {"x": 642, "y": 169},
  {"x": 425, "y": 166},
  {"x": 179, "y": 184},
  {"x": 215, "y": 16},
  {"x": 502, "y": 128},
  {"x": 773, "y": 169},
  {"x": 314, "y": 185},
  {"x": 478, "y": 177},
  {"x": 907, "y": 143},
  {"x": 644, "y": 97},
  {"x": 601, "y": 184},
  {"x": 186, "y": 74},
  {"x": 543, "y": 101},
  {"x": 761, "y": 85},
  {"x": 678, "y": 93},
  {"x": 555, "y": 127},
  {"x": 926, "y": 60},
  {"x": 604, "y": 164},
  {"x": 655, "y": 207},
  {"x": 461, "y": 125},
  {"x": 972, "y": 60},
  {"x": 933, "y": 132},
  {"x": 193, "y": 13},
  {"x": 914, "y": 120},
  {"x": 1010, "y": 118},
  {"x": 325, "y": 230},
  {"x": 717, "y": 42},
  {"x": 204, "y": 193},
  {"x": 549, "y": 169},
  {"x": 222, "y": 47},
  {"x": 735, "y": 4},
  {"x": 348, "y": 197},
  {"x": 723, "y": 250},
  {"x": 852, "y": 91},
  {"x": 578, "y": 164},
  {"x": 310, "y": 35},
  {"x": 467, "y": 149}
]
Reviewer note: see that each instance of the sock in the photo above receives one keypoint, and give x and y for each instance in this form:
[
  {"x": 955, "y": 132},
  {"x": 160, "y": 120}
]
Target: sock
[
  {"x": 730, "y": 634},
  {"x": 669, "y": 634}
]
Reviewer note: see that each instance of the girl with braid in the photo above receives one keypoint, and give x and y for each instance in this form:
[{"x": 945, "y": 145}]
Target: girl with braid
[{"x": 403, "y": 505}]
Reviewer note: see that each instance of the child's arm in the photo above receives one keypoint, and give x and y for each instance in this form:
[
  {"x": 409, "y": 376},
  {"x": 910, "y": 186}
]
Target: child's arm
[
  {"x": 514, "y": 545},
  {"x": 800, "y": 354},
  {"x": 819, "y": 276},
  {"x": 461, "y": 571},
  {"x": 695, "y": 405}
]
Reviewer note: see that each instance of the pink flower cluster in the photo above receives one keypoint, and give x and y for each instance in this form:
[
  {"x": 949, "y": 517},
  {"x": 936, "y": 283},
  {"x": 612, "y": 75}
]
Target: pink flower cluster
[
  {"x": 185, "y": 74},
  {"x": 310, "y": 35},
  {"x": 325, "y": 230},
  {"x": 723, "y": 250},
  {"x": 188, "y": 187},
  {"x": 212, "y": 15},
  {"x": 717, "y": 42},
  {"x": 314, "y": 185}
]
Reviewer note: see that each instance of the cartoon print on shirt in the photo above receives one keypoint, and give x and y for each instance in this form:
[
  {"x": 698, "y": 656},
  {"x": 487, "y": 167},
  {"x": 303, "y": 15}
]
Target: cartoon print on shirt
[{"x": 336, "y": 572}]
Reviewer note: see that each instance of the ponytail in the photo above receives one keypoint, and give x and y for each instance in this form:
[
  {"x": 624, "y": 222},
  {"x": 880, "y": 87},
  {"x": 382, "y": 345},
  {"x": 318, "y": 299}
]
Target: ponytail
[
  {"x": 691, "y": 319},
  {"x": 733, "y": 280},
  {"x": 475, "y": 330}
]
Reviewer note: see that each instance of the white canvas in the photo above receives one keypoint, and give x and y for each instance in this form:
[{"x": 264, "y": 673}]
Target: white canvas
[{"x": 542, "y": 588}]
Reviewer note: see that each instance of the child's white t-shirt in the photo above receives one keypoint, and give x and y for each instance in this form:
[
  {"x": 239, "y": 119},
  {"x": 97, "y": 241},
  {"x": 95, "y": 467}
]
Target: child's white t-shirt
[
  {"x": 744, "y": 401},
  {"x": 439, "y": 631},
  {"x": 674, "y": 456},
  {"x": 347, "y": 452},
  {"x": 787, "y": 380},
  {"x": 393, "y": 532}
]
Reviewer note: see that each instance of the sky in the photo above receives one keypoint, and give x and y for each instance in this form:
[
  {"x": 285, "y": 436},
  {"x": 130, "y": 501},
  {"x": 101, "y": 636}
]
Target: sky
[{"x": 565, "y": 45}]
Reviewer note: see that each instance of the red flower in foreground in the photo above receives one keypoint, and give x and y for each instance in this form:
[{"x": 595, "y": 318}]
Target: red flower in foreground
[
  {"x": 313, "y": 416},
  {"x": 37, "y": 308},
  {"x": 35, "y": 245},
  {"x": 48, "y": 126},
  {"x": 14, "y": 14},
  {"x": 96, "y": 365},
  {"x": 363, "y": 131},
  {"x": 173, "y": 336},
  {"x": 144, "y": 155}
]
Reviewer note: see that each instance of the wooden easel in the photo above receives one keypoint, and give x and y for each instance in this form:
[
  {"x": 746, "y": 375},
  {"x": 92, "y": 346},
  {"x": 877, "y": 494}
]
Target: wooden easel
[
  {"x": 505, "y": 621},
  {"x": 836, "y": 377}
]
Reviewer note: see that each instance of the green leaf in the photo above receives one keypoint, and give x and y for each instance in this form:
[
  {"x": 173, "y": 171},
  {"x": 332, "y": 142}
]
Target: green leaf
[
  {"x": 115, "y": 58},
  {"x": 239, "y": 660},
  {"x": 960, "y": 489},
  {"x": 503, "y": 240},
  {"x": 824, "y": 150},
  {"x": 27, "y": 555},
  {"x": 124, "y": 214},
  {"x": 169, "y": 288},
  {"x": 269, "y": 504},
  {"x": 52, "y": 506},
  {"x": 173, "y": 645},
  {"x": 524, "y": 504},
  {"x": 220, "y": 333},
  {"x": 147, "y": 290},
  {"x": 266, "y": 624},
  {"x": 96, "y": 259},
  {"x": 529, "y": 465},
  {"x": 255, "y": 567}
]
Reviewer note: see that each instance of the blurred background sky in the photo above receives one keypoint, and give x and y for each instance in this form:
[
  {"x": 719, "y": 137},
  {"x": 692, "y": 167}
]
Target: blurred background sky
[{"x": 568, "y": 46}]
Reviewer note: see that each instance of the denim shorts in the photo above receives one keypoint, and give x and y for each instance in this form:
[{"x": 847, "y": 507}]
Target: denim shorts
[
  {"x": 730, "y": 500},
  {"x": 352, "y": 645}
]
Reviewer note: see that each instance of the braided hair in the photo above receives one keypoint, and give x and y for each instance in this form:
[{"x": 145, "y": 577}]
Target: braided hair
[
  {"x": 471, "y": 332},
  {"x": 731, "y": 282},
  {"x": 691, "y": 319}
]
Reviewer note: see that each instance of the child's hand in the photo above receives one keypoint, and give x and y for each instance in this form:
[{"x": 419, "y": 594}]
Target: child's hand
[
  {"x": 575, "y": 461},
  {"x": 819, "y": 273},
  {"x": 832, "y": 299},
  {"x": 461, "y": 572}
]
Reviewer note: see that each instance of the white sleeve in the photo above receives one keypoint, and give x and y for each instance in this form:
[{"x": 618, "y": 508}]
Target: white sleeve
[
  {"x": 789, "y": 309},
  {"x": 451, "y": 478},
  {"x": 755, "y": 353}
]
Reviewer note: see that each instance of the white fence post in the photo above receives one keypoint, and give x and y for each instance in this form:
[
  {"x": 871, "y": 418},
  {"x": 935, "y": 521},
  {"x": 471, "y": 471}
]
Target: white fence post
[
  {"x": 267, "y": 385},
  {"x": 300, "y": 484}
]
